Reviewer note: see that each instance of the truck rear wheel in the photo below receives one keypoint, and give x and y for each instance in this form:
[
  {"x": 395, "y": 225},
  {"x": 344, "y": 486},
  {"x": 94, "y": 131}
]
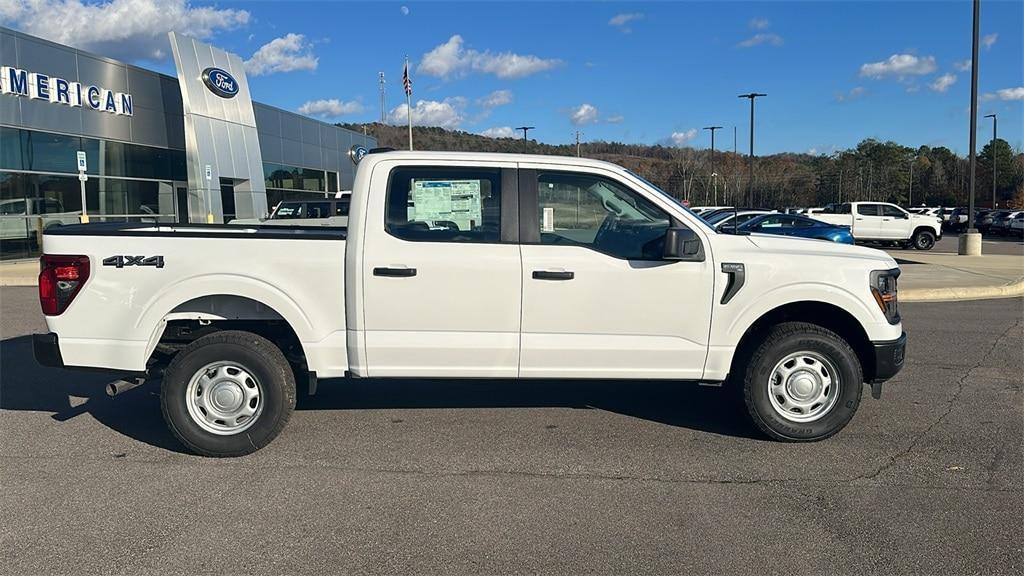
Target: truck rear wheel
[
  {"x": 228, "y": 394},
  {"x": 924, "y": 239},
  {"x": 802, "y": 383}
]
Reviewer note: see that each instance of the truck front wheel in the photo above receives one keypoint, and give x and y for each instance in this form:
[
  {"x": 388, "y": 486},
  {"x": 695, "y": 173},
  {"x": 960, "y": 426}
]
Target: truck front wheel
[
  {"x": 228, "y": 394},
  {"x": 924, "y": 239},
  {"x": 802, "y": 383}
]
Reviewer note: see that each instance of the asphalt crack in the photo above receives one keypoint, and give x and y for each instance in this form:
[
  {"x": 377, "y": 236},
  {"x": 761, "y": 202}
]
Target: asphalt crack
[{"x": 951, "y": 404}]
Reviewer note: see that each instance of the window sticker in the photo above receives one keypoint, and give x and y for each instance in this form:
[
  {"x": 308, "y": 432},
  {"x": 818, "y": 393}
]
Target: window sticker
[{"x": 443, "y": 201}]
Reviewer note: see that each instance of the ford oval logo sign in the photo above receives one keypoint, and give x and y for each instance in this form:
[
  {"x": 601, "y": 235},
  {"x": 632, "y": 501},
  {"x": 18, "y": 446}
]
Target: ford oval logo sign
[{"x": 220, "y": 82}]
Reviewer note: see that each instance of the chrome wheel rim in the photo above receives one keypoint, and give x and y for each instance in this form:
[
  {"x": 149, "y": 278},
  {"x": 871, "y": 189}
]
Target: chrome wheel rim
[
  {"x": 224, "y": 398},
  {"x": 804, "y": 387}
]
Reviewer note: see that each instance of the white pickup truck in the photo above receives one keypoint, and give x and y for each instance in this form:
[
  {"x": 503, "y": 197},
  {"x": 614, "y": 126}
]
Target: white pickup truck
[
  {"x": 465, "y": 265},
  {"x": 881, "y": 221}
]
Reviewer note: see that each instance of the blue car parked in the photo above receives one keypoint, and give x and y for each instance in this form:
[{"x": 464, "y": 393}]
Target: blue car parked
[{"x": 800, "y": 226}]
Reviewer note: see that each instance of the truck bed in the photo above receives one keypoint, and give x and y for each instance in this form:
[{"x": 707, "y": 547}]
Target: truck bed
[{"x": 143, "y": 277}]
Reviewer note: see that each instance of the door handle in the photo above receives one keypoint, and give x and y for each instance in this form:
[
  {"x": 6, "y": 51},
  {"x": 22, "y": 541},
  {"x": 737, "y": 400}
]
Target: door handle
[
  {"x": 858, "y": 219},
  {"x": 394, "y": 272},
  {"x": 553, "y": 275}
]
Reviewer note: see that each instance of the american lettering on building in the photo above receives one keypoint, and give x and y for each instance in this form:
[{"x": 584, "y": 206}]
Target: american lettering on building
[{"x": 38, "y": 86}]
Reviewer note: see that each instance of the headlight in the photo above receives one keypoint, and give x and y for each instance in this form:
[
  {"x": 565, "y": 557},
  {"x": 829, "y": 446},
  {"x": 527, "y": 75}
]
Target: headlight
[{"x": 883, "y": 288}]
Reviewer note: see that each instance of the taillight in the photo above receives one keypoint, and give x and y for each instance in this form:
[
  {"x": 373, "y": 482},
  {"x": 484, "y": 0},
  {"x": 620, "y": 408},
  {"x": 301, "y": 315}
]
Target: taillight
[{"x": 60, "y": 279}]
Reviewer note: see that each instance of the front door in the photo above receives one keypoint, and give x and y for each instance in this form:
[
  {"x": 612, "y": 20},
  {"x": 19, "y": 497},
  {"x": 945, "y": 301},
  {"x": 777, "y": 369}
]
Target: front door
[
  {"x": 598, "y": 299},
  {"x": 442, "y": 277},
  {"x": 227, "y": 199},
  {"x": 894, "y": 223}
]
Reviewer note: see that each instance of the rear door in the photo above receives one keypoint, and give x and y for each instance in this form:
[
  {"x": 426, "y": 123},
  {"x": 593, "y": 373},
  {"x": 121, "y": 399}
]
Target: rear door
[
  {"x": 442, "y": 276},
  {"x": 598, "y": 299},
  {"x": 867, "y": 221}
]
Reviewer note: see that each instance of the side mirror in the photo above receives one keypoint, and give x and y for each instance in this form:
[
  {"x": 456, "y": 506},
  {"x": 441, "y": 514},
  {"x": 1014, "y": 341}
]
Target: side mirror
[
  {"x": 906, "y": 216},
  {"x": 683, "y": 244}
]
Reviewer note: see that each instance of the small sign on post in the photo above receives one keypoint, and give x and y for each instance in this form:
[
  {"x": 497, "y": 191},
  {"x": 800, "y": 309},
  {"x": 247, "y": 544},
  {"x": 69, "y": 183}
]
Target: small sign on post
[
  {"x": 83, "y": 165},
  {"x": 209, "y": 194}
]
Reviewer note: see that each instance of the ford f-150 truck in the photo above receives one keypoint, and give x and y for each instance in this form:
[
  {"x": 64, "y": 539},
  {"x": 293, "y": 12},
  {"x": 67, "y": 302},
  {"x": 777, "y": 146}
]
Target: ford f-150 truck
[
  {"x": 465, "y": 265},
  {"x": 881, "y": 221}
]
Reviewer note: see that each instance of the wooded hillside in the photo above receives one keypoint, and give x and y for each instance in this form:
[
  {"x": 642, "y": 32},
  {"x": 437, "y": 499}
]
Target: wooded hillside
[{"x": 872, "y": 171}]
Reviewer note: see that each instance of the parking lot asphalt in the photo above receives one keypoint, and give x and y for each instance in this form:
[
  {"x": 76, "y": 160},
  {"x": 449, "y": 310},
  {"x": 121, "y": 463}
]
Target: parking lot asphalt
[{"x": 527, "y": 477}]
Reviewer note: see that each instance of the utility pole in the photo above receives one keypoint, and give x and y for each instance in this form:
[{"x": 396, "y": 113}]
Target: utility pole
[
  {"x": 992, "y": 152},
  {"x": 525, "y": 129},
  {"x": 714, "y": 176},
  {"x": 750, "y": 185},
  {"x": 383, "y": 98},
  {"x": 733, "y": 139},
  {"x": 578, "y": 134}
]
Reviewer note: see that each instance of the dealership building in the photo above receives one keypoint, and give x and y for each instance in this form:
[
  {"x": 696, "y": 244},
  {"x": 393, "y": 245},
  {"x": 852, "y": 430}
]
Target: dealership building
[{"x": 156, "y": 148}]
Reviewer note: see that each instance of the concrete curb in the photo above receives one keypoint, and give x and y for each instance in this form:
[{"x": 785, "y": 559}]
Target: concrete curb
[{"x": 1011, "y": 290}]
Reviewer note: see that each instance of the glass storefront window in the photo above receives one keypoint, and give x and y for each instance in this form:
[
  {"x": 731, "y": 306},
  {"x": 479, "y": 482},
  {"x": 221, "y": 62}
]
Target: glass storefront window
[
  {"x": 294, "y": 178},
  {"x": 45, "y": 152},
  {"x": 332, "y": 182}
]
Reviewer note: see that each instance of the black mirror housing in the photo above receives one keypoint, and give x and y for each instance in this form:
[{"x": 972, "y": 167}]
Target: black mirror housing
[{"x": 683, "y": 244}]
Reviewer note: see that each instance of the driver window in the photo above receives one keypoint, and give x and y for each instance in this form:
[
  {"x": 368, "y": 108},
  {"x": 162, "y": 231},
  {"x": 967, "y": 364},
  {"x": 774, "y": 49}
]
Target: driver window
[
  {"x": 588, "y": 210},
  {"x": 891, "y": 211}
]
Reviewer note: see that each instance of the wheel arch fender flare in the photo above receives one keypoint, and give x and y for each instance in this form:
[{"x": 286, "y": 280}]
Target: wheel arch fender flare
[{"x": 173, "y": 303}]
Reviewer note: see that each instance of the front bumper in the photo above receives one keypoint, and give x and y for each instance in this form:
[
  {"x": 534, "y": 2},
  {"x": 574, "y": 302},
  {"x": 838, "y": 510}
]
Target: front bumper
[
  {"x": 889, "y": 357},
  {"x": 46, "y": 350}
]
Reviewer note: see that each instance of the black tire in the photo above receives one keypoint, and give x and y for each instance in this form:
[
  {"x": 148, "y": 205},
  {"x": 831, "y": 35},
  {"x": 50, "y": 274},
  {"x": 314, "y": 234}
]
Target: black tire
[
  {"x": 259, "y": 357},
  {"x": 924, "y": 239},
  {"x": 781, "y": 341}
]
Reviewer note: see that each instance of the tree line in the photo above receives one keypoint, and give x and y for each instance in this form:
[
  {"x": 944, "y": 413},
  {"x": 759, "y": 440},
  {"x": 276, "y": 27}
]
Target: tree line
[{"x": 873, "y": 170}]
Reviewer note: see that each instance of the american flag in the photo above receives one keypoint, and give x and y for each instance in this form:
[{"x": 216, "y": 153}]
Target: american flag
[{"x": 406, "y": 81}]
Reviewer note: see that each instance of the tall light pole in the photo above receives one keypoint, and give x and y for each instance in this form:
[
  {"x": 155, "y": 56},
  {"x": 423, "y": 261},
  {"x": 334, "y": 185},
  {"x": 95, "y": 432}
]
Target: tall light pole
[
  {"x": 992, "y": 152},
  {"x": 970, "y": 242},
  {"x": 750, "y": 183},
  {"x": 578, "y": 134},
  {"x": 714, "y": 176}
]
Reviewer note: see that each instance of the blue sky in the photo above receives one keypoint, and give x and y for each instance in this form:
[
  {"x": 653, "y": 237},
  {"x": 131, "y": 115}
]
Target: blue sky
[{"x": 835, "y": 72}]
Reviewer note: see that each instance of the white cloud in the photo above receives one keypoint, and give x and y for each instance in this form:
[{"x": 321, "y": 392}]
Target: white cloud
[
  {"x": 330, "y": 108},
  {"x": 853, "y": 94},
  {"x": 1005, "y": 94},
  {"x": 623, "y": 19},
  {"x": 124, "y": 29},
  {"x": 617, "y": 119},
  {"x": 583, "y": 114},
  {"x": 682, "y": 138},
  {"x": 989, "y": 40},
  {"x": 942, "y": 83},
  {"x": 285, "y": 54},
  {"x": 962, "y": 65},
  {"x": 759, "y": 23},
  {"x": 500, "y": 132},
  {"x": 404, "y": 10},
  {"x": 762, "y": 38},
  {"x": 899, "y": 65},
  {"x": 495, "y": 99},
  {"x": 452, "y": 59},
  {"x": 446, "y": 113}
]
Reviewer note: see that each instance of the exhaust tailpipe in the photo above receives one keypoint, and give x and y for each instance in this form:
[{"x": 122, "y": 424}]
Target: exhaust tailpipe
[{"x": 123, "y": 385}]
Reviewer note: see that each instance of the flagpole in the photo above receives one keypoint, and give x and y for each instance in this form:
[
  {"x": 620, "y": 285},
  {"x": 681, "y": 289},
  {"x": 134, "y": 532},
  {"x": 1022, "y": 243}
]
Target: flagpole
[{"x": 408, "y": 101}]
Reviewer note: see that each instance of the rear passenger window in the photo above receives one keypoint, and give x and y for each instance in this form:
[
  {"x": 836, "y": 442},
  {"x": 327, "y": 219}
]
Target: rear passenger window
[
  {"x": 444, "y": 204},
  {"x": 867, "y": 209}
]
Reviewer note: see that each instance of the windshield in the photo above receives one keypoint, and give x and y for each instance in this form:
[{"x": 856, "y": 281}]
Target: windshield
[
  {"x": 720, "y": 217},
  {"x": 667, "y": 196}
]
